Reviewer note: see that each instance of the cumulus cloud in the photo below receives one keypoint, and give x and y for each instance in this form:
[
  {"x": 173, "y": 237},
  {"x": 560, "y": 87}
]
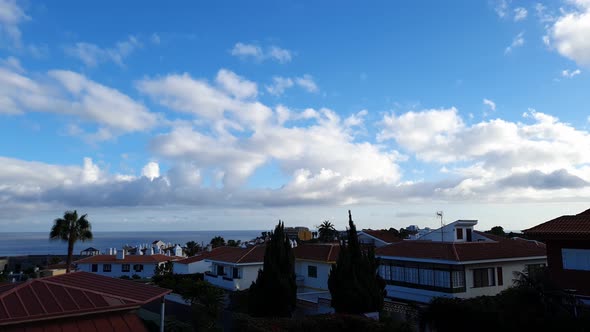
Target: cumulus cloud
[
  {"x": 490, "y": 104},
  {"x": 538, "y": 180},
  {"x": 569, "y": 33},
  {"x": 11, "y": 16},
  {"x": 501, "y": 7},
  {"x": 520, "y": 14},
  {"x": 236, "y": 85},
  {"x": 570, "y": 73},
  {"x": 253, "y": 51},
  {"x": 518, "y": 41},
  {"x": 93, "y": 55},
  {"x": 280, "y": 84},
  {"x": 151, "y": 170}
]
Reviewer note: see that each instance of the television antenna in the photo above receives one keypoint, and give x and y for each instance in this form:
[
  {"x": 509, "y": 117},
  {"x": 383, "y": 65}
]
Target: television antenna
[{"x": 442, "y": 225}]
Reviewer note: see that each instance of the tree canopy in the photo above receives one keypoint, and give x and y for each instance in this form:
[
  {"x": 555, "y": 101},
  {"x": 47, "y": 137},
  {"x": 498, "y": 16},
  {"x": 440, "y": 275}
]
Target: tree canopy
[
  {"x": 217, "y": 241},
  {"x": 71, "y": 229},
  {"x": 354, "y": 284},
  {"x": 327, "y": 232}
]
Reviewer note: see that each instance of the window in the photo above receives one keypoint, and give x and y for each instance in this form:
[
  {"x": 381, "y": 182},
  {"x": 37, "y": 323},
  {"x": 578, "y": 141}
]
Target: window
[
  {"x": 458, "y": 279},
  {"x": 442, "y": 278},
  {"x": 312, "y": 271},
  {"x": 220, "y": 270},
  {"x": 138, "y": 267},
  {"x": 484, "y": 277},
  {"x": 468, "y": 230},
  {"x": 459, "y": 233},
  {"x": 427, "y": 277},
  {"x": 94, "y": 267},
  {"x": 500, "y": 276},
  {"x": 125, "y": 268},
  {"x": 235, "y": 273},
  {"x": 106, "y": 267},
  {"x": 576, "y": 259}
]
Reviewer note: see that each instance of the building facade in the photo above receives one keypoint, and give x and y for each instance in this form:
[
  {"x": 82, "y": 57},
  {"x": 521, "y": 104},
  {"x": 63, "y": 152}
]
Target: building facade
[{"x": 123, "y": 265}]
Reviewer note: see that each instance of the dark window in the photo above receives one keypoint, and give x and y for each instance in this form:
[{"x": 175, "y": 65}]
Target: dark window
[
  {"x": 220, "y": 270},
  {"x": 484, "y": 277},
  {"x": 312, "y": 271},
  {"x": 500, "y": 276},
  {"x": 468, "y": 230},
  {"x": 125, "y": 268},
  {"x": 235, "y": 273},
  {"x": 94, "y": 267},
  {"x": 106, "y": 267},
  {"x": 459, "y": 233},
  {"x": 138, "y": 267}
]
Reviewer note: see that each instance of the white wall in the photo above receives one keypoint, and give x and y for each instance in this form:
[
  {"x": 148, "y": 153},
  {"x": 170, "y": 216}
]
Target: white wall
[
  {"x": 196, "y": 267},
  {"x": 148, "y": 269},
  {"x": 448, "y": 232},
  {"x": 248, "y": 274},
  {"x": 319, "y": 283}
]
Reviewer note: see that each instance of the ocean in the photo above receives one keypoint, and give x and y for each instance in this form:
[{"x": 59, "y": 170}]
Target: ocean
[{"x": 38, "y": 243}]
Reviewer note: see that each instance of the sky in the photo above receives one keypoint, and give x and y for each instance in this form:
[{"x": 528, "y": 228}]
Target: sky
[{"x": 232, "y": 115}]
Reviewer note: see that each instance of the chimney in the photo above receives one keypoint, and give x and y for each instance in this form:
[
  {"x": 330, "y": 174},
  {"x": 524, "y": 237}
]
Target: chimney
[
  {"x": 209, "y": 247},
  {"x": 121, "y": 254}
]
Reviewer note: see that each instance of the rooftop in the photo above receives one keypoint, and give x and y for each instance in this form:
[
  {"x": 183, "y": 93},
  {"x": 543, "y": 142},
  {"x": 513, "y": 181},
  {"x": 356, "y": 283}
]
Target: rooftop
[
  {"x": 464, "y": 251},
  {"x": 318, "y": 252},
  {"x": 238, "y": 255},
  {"x": 156, "y": 258},
  {"x": 383, "y": 235},
  {"x": 564, "y": 227},
  {"x": 206, "y": 255},
  {"x": 73, "y": 294}
]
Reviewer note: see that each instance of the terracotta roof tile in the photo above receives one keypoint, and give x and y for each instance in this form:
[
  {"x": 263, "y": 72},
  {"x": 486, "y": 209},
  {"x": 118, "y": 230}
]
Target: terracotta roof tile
[
  {"x": 566, "y": 227},
  {"x": 318, "y": 252},
  {"x": 238, "y": 255},
  {"x": 71, "y": 295},
  {"x": 205, "y": 255},
  {"x": 383, "y": 235},
  {"x": 116, "y": 321},
  {"x": 464, "y": 251},
  {"x": 157, "y": 258}
]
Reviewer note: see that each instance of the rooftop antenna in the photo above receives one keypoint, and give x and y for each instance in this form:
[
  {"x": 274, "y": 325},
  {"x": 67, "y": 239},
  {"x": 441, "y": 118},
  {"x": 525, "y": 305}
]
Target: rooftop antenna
[{"x": 442, "y": 225}]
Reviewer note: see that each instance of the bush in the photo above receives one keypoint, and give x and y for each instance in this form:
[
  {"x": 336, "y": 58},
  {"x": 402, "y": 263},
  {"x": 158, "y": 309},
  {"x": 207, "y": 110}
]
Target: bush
[
  {"x": 125, "y": 277},
  {"x": 135, "y": 277}
]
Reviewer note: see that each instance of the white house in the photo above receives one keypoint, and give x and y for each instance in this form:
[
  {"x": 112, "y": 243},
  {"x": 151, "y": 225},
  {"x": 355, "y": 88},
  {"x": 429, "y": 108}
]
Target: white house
[
  {"x": 119, "y": 264},
  {"x": 198, "y": 263},
  {"x": 455, "y": 262},
  {"x": 312, "y": 265},
  {"x": 377, "y": 238},
  {"x": 236, "y": 268}
]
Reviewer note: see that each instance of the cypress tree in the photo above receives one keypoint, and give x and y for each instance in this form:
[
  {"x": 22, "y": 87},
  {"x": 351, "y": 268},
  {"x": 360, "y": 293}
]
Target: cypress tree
[
  {"x": 354, "y": 284},
  {"x": 274, "y": 293}
]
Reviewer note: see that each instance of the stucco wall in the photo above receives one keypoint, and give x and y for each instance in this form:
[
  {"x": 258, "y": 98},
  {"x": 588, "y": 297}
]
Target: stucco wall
[
  {"x": 319, "y": 283},
  {"x": 196, "y": 267},
  {"x": 248, "y": 274},
  {"x": 148, "y": 270}
]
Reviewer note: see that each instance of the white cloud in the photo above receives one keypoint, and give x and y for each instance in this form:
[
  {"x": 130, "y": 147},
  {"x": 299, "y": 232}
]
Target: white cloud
[
  {"x": 489, "y": 103},
  {"x": 93, "y": 55},
  {"x": 501, "y": 7},
  {"x": 570, "y": 73},
  {"x": 569, "y": 33},
  {"x": 155, "y": 39},
  {"x": 307, "y": 83},
  {"x": 520, "y": 14},
  {"x": 11, "y": 16},
  {"x": 236, "y": 85},
  {"x": 151, "y": 170},
  {"x": 278, "y": 54},
  {"x": 518, "y": 41},
  {"x": 12, "y": 63},
  {"x": 280, "y": 84}
]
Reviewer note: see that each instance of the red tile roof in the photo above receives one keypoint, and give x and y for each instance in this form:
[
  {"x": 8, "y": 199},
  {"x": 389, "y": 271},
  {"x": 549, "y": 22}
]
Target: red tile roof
[
  {"x": 205, "y": 255},
  {"x": 238, "y": 255},
  {"x": 383, "y": 235},
  {"x": 157, "y": 258},
  {"x": 464, "y": 251},
  {"x": 115, "y": 321},
  {"x": 564, "y": 227},
  {"x": 73, "y": 294},
  {"x": 318, "y": 252}
]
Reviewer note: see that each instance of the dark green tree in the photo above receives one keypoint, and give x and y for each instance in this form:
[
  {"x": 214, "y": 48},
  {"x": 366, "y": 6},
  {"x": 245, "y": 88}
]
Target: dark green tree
[
  {"x": 206, "y": 303},
  {"x": 164, "y": 269},
  {"x": 217, "y": 241},
  {"x": 192, "y": 248},
  {"x": 326, "y": 231},
  {"x": 234, "y": 243},
  {"x": 71, "y": 229},
  {"x": 354, "y": 284},
  {"x": 274, "y": 293},
  {"x": 496, "y": 230}
]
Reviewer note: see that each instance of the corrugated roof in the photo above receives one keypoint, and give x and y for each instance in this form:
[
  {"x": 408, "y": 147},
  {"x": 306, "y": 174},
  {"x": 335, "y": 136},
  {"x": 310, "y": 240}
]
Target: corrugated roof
[
  {"x": 205, "y": 255},
  {"x": 383, "y": 235},
  {"x": 156, "y": 258},
  {"x": 464, "y": 251},
  {"x": 72, "y": 294},
  {"x": 318, "y": 252},
  {"x": 238, "y": 255},
  {"x": 564, "y": 227}
]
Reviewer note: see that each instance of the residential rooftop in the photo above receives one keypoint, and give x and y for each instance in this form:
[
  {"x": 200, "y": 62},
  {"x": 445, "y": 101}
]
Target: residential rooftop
[
  {"x": 146, "y": 259},
  {"x": 568, "y": 226}
]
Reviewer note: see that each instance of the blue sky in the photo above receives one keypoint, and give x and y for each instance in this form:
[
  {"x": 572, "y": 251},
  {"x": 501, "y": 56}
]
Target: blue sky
[{"x": 232, "y": 115}]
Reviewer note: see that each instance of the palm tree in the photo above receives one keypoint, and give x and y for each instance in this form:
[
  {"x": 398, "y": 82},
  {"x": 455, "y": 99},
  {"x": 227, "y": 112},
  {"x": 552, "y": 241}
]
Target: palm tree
[
  {"x": 326, "y": 231},
  {"x": 70, "y": 229}
]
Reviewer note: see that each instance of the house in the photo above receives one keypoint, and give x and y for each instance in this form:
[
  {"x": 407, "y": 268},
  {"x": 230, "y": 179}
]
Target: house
[
  {"x": 298, "y": 233},
  {"x": 236, "y": 268},
  {"x": 90, "y": 251},
  {"x": 312, "y": 265},
  {"x": 377, "y": 238},
  {"x": 568, "y": 251},
  {"x": 78, "y": 301},
  {"x": 455, "y": 261},
  {"x": 121, "y": 264},
  {"x": 158, "y": 244},
  {"x": 198, "y": 263}
]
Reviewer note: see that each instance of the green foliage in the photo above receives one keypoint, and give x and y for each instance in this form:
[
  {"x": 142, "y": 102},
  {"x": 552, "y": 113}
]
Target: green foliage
[
  {"x": 327, "y": 232},
  {"x": 319, "y": 323},
  {"x": 354, "y": 284},
  {"x": 206, "y": 303},
  {"x": 234, "y": 243},
  {"x": 135, "y": 277},
  {"x": 164, "y": 269},
  {"x": 125, "y": 277},
  {"x": 217, "y": 241},
  {"x": 274, "y": 294},
  {"x": 71, "y": 229},
  {"x": 175, "y": 282},
  {"x": 497, "y": 230},
  {"x": 54, "y": 260},
  {"x": 192, "y": 248},
  {"x": 405, "y": 233}
]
